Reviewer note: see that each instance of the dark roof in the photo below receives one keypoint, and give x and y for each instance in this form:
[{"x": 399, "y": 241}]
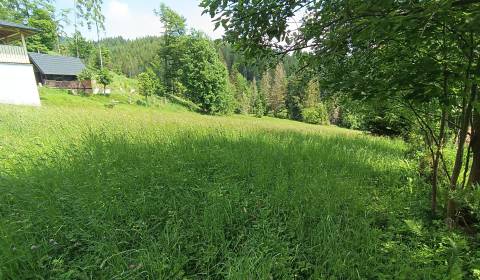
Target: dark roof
[
  {"x": 9, "y": 29},
  {"x": 57, "y": 65},
  {"x": 16, "y": 26}
]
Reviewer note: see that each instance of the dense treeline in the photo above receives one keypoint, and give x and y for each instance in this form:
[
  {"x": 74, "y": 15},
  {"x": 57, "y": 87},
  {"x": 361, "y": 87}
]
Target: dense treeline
[{"x": 132, "y": 57}]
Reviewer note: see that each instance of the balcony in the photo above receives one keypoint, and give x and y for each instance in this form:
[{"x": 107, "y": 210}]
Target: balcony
[{"x": 13, "y": 54}]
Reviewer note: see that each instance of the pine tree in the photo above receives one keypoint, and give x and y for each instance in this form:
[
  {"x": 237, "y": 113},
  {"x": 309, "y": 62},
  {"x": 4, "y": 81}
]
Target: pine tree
[
  {"x": 278, "y": 90},
  {"x": 265, "y": 89},
  {"x": 257, "y": 106},
  {"x": 241, "y": 91},
  {"x": 312, "y": 94}
]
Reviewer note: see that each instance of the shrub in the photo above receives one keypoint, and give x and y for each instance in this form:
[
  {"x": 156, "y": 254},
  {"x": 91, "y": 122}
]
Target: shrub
[
  {"x": 258, "y": 107},
  {"x": 316, "y": 115},
  {"x": 353, "y": 121},
  {"x": 104, "y": 78},
  {"x": 141, "y": 102},
  {"x": 149, "y": 84},
  {"x": 282, "y": 114},
  {"x": 84, "y": 76}
]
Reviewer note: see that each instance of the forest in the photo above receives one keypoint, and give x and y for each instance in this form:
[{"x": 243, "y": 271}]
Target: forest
[{"x": 348, "y": 126}]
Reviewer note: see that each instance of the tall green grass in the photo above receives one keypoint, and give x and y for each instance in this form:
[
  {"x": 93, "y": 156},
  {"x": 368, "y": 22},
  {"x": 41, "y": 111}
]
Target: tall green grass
[{"x": 89, "y": 192}]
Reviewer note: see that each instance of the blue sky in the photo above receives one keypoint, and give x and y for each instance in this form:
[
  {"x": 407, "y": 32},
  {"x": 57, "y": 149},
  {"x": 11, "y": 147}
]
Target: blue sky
[{"x": 135, "y": 18}]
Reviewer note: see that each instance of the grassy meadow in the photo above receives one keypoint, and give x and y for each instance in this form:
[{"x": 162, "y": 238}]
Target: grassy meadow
[{"x": 130, "y": 192}]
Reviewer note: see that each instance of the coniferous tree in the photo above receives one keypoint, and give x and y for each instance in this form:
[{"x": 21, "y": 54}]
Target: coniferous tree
[
  {"x": 278, "y": 90},
  {"x": 132, "y": 57},
  {"x": 312, "y": 94},
  {"x": 257, "y": 104},
  {"x": 265, "y": 88},
  {"x": 241, "y": 91}
]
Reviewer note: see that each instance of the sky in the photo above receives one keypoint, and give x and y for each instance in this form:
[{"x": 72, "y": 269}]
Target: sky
[{"x": 135, "y": 18}]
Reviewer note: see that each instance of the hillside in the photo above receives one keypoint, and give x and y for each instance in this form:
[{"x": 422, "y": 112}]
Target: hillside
[
  {"x": 129, "y": 192},
  {"x": 131, "y": 57}
]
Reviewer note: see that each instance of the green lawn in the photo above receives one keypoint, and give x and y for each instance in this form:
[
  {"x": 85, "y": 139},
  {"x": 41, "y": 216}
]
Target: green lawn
[{"x": 90, "y": 192}]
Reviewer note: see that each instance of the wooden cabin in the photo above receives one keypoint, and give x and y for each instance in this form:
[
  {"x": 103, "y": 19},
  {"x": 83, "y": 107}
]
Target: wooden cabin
[{"x": 57, "y": 71}]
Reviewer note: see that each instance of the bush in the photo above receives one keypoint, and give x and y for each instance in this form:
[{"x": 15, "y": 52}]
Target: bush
[
  {"x": 141, "y": 102},
  {"x": 149, "y": 84},
  {"x": 282, "y": 114},
  {"x": 105, "y": 78},
  {"x": 316, "y": 115},
  {"x": 352, "y": 121}
]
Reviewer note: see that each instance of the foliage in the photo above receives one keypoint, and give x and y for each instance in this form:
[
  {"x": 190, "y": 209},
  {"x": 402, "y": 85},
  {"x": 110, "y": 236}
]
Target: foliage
[
  {"x": 149, "y": 84},
  {"x": 175, "y": 29},
  {"x": 96, "y": 62},
  {"x": 104, "y": 77},
  {"x": 316, "y": 115},
  {"x": 20, "y": 10},
  {"x": 132, "y": 57},
  {"x": 258, "y": 108},
  {"x": 241, "y": 93},
  {"x": 275, "y": 96},
  {"x": 236, "y": 61},
  {"x": 204, "y": 76},
  {"x": 91, "y": 12},
  {"x": 78, "y": 46},
  {"x": 312, "y": 94},
  {"x": 46, "y": 39},
  {"x": 173, "y": 23},
  {"x": 86, "y": 74},
  {"x": 294, "y": 100},
  {"x": 352, "y": 120},
  {"x": 265, "y": 88}
]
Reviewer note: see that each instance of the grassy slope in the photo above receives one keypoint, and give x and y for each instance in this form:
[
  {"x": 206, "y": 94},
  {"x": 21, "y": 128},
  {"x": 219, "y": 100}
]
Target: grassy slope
[{"x": 88, "y": 192}]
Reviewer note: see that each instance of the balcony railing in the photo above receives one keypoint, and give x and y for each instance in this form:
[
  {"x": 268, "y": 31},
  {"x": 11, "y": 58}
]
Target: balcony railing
[{"x": 13, "y": 54}]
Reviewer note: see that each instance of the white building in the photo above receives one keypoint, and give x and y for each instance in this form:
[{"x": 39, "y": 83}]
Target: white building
[{"x": 17, "y": 79}]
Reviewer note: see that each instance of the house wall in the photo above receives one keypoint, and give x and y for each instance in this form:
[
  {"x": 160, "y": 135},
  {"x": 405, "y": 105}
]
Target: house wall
[{"x": 18, "y": 85}]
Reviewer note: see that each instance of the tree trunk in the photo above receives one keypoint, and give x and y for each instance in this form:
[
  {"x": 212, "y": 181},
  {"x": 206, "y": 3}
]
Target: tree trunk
[
  {"x": 441, "y": 140},
  {"x": 462, "y": 136},
  {"x": 436, "y": 160},
  {"x": 76, "y": 28},
  {"x": 474, "y": 178},
  {"x": 99, "y": 47}
]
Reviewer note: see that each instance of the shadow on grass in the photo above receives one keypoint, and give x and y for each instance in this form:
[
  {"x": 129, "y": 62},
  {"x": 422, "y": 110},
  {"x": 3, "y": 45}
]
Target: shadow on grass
[{"x": 203, "y": 205}]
